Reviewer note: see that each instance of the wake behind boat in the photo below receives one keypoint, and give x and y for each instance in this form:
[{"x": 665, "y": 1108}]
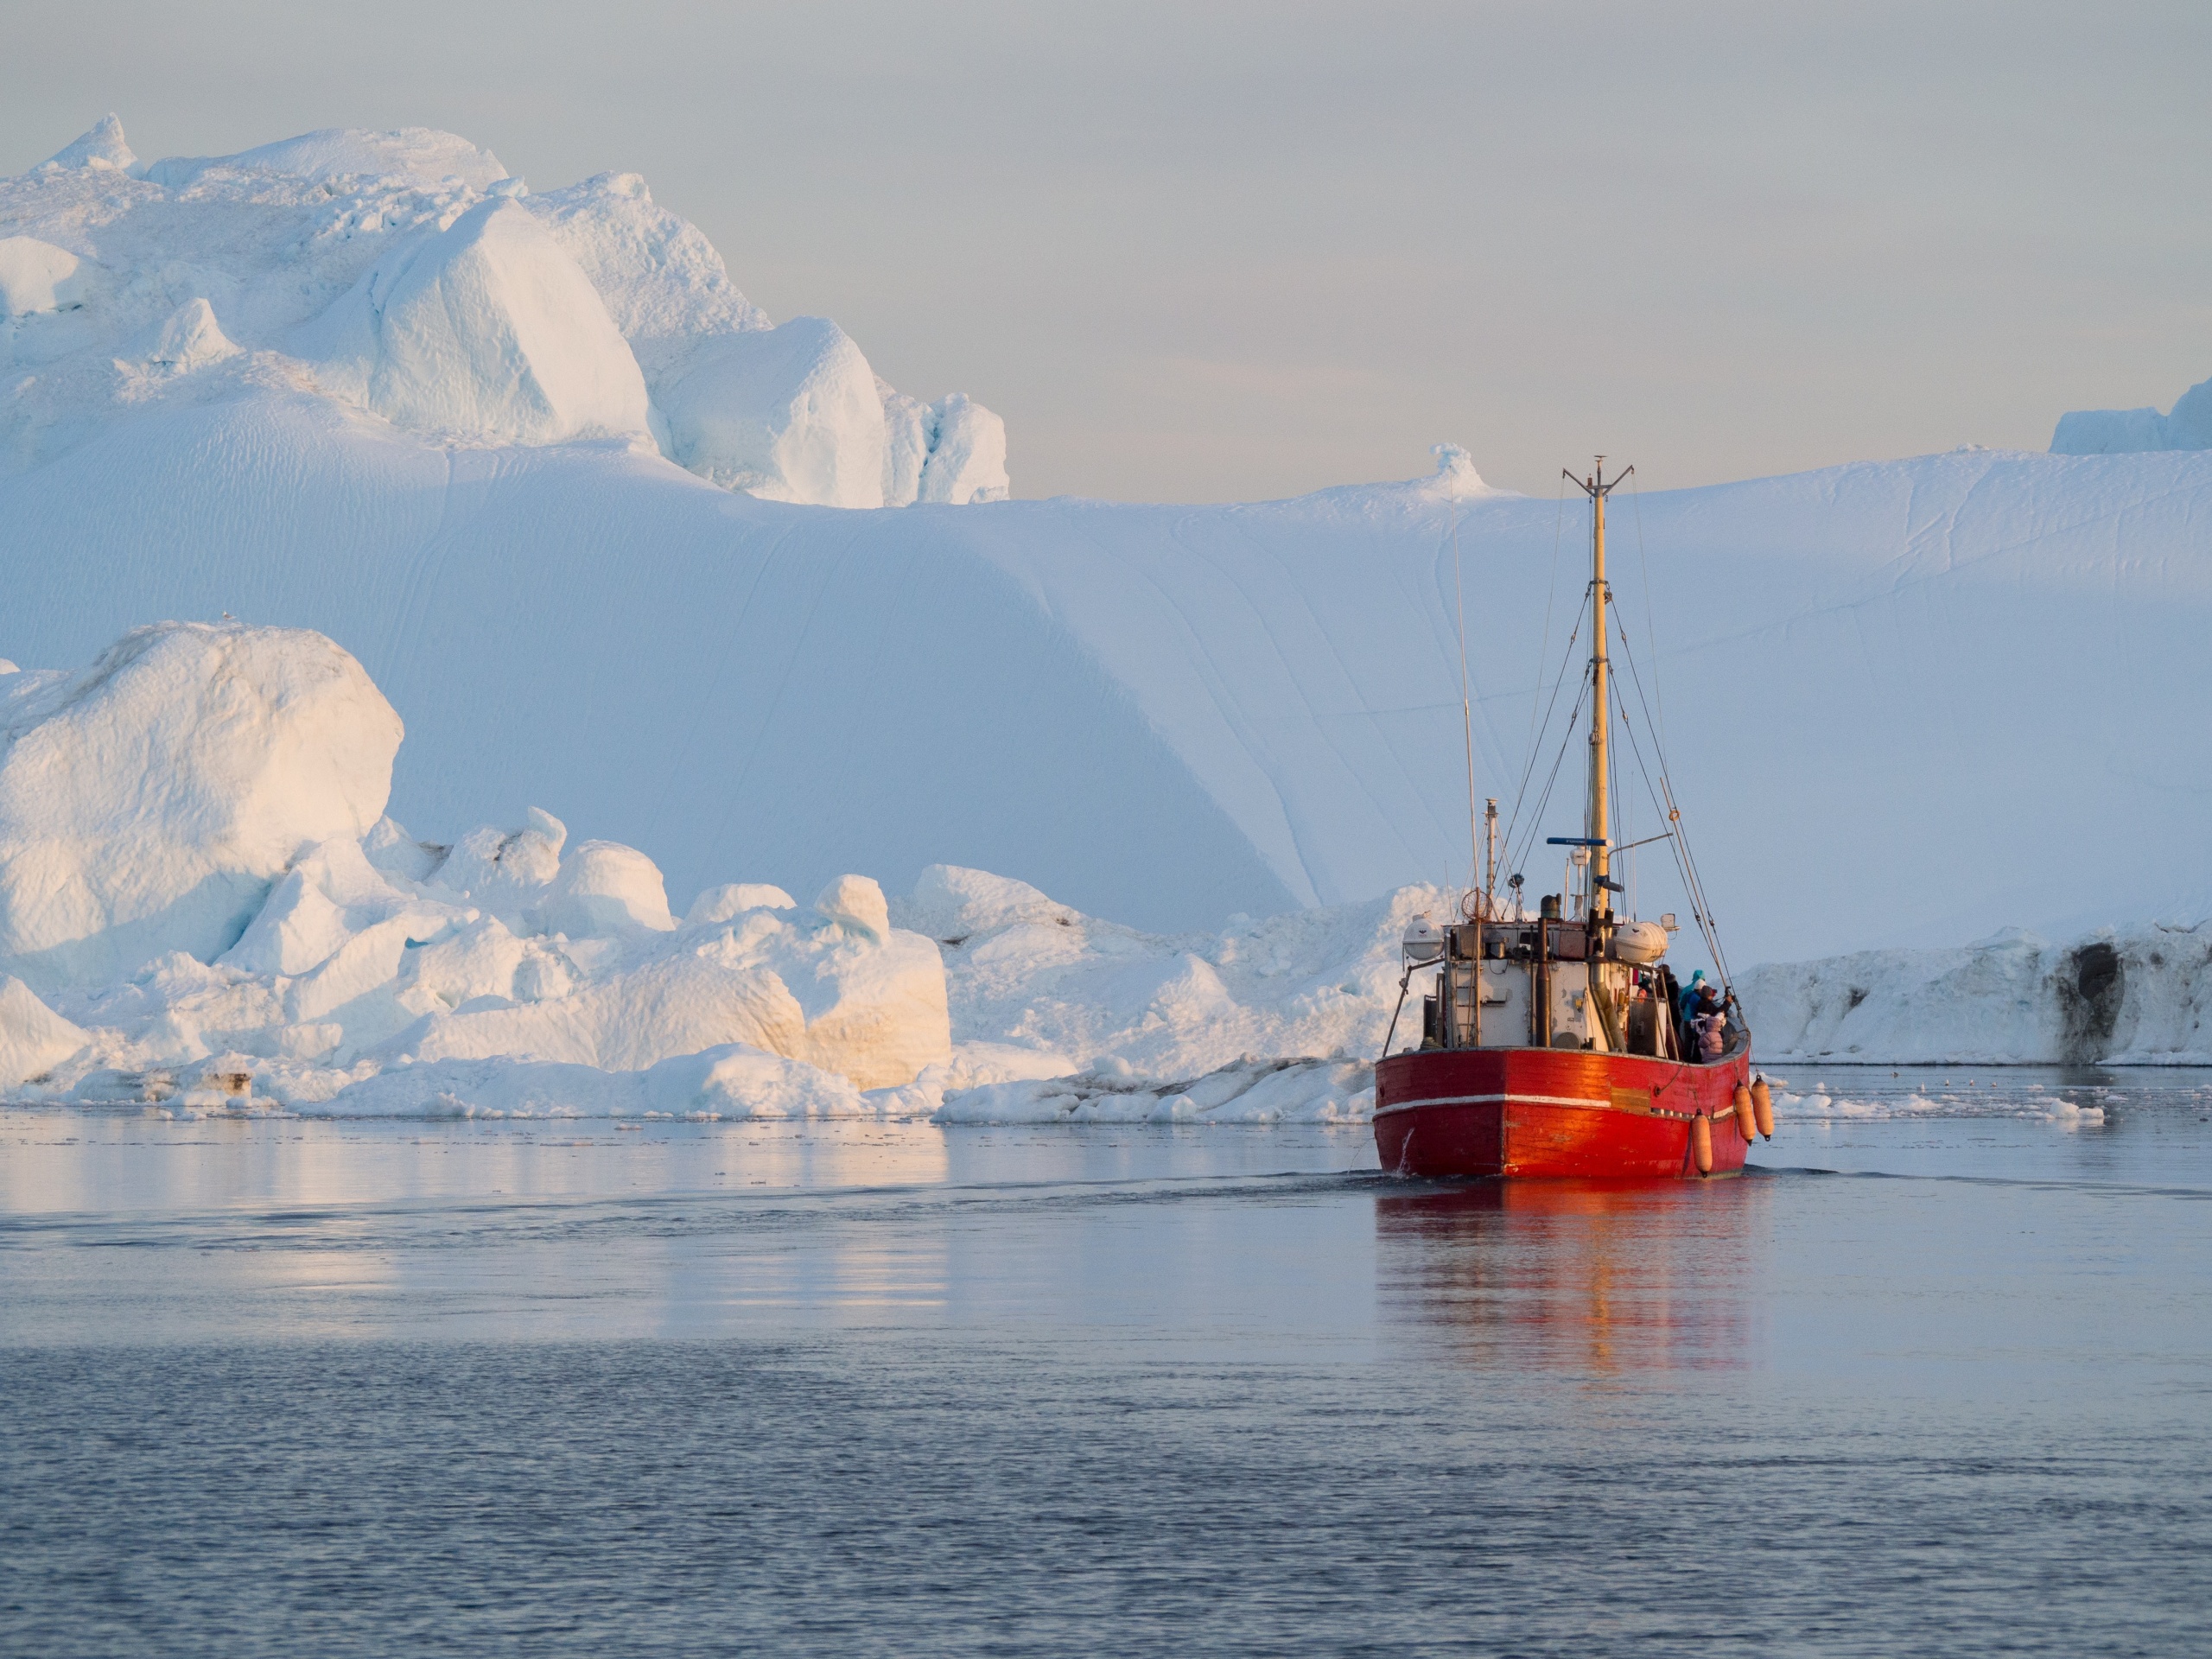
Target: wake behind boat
[{"x": 1561, "y": 1044}]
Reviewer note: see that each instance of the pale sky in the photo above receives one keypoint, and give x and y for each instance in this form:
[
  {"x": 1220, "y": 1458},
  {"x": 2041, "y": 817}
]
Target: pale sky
[{"x": 1209, "y": 252}]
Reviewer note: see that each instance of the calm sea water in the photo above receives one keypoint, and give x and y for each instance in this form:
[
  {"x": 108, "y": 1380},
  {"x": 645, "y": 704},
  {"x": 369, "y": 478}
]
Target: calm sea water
[{"x": 1936, "y": 1378}]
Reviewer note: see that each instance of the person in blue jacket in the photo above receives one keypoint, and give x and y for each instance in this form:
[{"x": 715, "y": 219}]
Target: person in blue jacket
[{"x": 1688, "y": 1003}]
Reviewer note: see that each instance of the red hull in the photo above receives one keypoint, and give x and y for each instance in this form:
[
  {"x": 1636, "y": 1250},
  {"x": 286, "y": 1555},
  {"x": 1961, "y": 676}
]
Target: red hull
[{"x": 1549, "y": 1112}]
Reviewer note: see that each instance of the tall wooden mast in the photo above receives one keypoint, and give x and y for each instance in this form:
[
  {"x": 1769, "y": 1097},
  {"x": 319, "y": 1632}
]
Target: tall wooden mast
[{"x": 1597, "y": 824}]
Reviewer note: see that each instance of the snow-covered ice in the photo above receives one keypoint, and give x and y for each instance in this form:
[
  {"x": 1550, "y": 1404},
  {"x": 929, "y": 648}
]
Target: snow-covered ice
[
  {"x": 788, "y": 414},
  {"x": 2138, "y": 995},
  {"x": 486, "y": 331},
  {"x": 196, "y": 881},
  {"x": 36, "y": 276},
  {"x": 196, "y": 875},
  {"x": 1168, "y": 716},
  {"x": 1953, "y": 1098},
  {"x": 2187, "y": 425},
  {"x": 405, "y": 275},
  {"x": 146, "y": 802},
  {"x": 197, "y": 887}
]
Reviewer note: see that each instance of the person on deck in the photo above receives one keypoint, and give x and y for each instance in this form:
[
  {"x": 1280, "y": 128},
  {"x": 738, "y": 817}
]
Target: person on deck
[
  {"x": 1686, "y": 1008},
  {"x": 1710, "y": 1024}
]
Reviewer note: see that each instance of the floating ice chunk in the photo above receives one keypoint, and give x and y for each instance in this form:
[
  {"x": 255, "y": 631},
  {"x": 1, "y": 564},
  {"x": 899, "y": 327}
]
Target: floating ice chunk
[
  {"x": 148, "y": 803},
  {"x": 604, "y": 890},
  {"x": 967, "y": 460},
  {"x": 420, "y": 154},
  {"x": 486, "y": 1089},
  {"x": 733, "y": 899},
  {"x": 32, "y": 1038},
  {"x": 36, "y": 276},
  {"x": 855, "y": 902},
  {"x": 788, "y": 414},
  {"x": 1023, "y": 969},
  {"x": 876, "y": 1012},
  {"x": 191, "y": 338},
  {"x": 2069, "y": 1114},
  {"x": 486, "y": 331},
  {"x": 101, "y": 146}
]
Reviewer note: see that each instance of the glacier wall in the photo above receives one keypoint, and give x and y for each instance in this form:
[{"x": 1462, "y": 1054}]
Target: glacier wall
[
  {"x": 2138, "y": 995},
  {"x": 1908, "y": 701}
]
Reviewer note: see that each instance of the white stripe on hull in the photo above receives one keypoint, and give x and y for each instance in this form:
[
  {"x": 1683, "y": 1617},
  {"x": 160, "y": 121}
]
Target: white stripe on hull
[{"x": 1484, "y": 1100}]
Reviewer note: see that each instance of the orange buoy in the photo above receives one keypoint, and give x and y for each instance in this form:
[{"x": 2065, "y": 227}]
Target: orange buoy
[
  {"x": 1745, "y": 1124},
  {"x": 1701, "y": 1143},
  {"x": 1763, "y": 1108}
]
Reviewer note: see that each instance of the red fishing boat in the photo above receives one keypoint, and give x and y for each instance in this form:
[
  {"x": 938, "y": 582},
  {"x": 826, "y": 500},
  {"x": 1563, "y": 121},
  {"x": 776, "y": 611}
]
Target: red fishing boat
[{"x": 1558, "y": 1044}]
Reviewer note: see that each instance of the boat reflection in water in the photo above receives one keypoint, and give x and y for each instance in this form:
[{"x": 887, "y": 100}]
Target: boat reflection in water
[{"x": 1601, "y": 1277}]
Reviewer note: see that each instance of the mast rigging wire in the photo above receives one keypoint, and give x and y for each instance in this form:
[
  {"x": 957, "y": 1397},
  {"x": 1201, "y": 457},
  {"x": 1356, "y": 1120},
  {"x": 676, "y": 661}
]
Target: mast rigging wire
[
  {"x": 1536, "y": 747},
  {"x": 1658, "y": 782},
  {"x": 1466, "y": 703},
  {"x": 1692, "y": 882},
  {"x": 1657, "y": 779}
]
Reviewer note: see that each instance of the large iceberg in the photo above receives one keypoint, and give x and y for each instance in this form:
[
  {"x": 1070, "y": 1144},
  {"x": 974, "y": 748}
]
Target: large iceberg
[
  {"x": 196, "y": 874},
  {"x": 1167, "y": 714},
  {"x": 406, "y": 275},
  {"x": 210, "y": 918}
]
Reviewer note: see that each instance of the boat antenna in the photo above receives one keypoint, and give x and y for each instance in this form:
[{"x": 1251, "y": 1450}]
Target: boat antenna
[
  {"x": 1466, "y": 702},
  {"x": 1598, "y": 820}
]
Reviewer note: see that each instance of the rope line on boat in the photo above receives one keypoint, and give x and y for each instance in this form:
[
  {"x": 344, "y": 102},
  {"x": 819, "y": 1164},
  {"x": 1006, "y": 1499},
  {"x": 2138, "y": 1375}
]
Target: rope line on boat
[
  {"x": 1650, "y": 624},
  {"x": 1466, "y": 703},
  {"x": 1544, "y": 643},
  {"x": 1657, "y": 779},
  {"x": 1693, "y": 882},
  {"x": 1536, "y": 818},
  {"x": 1404, "y": 980},
  {"x": 1536, "y": 747}
]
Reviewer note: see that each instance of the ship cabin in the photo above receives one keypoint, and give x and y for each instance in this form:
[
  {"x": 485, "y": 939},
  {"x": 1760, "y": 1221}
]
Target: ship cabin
[{"x": 1545, "y": 982}]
